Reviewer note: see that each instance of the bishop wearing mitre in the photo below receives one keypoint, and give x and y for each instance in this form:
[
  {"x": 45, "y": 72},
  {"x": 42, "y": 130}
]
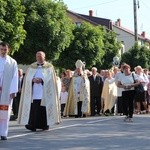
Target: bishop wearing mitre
[{"x": 78, "y": 102}]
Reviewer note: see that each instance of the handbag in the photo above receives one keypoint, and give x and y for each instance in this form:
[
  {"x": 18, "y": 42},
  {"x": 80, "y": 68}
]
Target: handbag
[{"x": 138, "y": 89}]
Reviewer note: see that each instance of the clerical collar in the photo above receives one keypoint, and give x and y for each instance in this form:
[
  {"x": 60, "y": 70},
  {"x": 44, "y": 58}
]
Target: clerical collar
[{"x": 38, "y": 64}]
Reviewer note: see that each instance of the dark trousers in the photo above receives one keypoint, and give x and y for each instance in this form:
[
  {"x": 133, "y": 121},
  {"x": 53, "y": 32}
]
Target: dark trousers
[
  {"x": 119, "y": 104},
  {"x": 37, "y": 119},
  {"x": 95, "y": 105},
  {"x": 62, "y": 109},
  {"x": 15, "y": 106},
  {"x": 79, "y": 109},
  {"x": 127, "y": 99}
]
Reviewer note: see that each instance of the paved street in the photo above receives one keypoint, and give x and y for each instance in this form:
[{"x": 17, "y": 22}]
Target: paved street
[{"x": 92, "y": 133}]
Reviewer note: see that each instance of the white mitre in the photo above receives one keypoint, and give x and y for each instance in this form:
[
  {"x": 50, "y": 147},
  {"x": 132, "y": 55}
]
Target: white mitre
[{"x": 79, "y": 64}]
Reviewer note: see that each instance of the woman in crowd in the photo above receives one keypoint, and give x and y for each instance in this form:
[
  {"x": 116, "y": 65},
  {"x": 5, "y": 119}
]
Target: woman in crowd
[
  {"x": 148, "y": 94},
  {"x": 67, "y": 79},
  {"x": 140, "y": 98},
  {"x": 126, "y": 82}
]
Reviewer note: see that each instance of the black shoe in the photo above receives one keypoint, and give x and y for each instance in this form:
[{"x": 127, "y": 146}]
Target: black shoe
[
  {"x": 13, "y": 118},
  {"x": 46, "y": 128},
  {"x": 84, "y": 115},
  {"x": 30, "y": 128},
  {"x": 3, "y": 138}
]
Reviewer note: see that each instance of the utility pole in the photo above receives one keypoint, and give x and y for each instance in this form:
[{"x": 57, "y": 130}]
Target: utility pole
[{"x": 135, "y": 20}]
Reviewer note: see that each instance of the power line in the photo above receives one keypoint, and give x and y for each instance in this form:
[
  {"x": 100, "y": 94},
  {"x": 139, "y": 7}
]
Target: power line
[
  {"x": 96, "y": 4},
  {"x": 146, "y": 5}
]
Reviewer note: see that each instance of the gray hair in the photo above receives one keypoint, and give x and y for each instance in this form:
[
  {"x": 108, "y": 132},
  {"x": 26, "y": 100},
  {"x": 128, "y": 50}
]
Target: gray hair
[{"x": 94, "y": 68}]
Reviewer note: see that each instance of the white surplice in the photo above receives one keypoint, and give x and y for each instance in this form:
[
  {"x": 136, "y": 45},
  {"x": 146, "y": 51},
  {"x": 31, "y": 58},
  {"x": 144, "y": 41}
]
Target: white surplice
[{"x": 9, "y": 84}]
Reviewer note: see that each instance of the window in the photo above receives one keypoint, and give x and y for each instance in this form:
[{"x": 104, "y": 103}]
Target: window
[{"x": 78, "y": 24}]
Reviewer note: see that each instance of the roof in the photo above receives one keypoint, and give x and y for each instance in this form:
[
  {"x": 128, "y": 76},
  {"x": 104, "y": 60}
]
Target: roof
[
  {"x": 132, "y": 33},
  {"x": 100, "y": 21},
  {"x": 94, "y": 20},
  {"x": 105, "y": 22}
]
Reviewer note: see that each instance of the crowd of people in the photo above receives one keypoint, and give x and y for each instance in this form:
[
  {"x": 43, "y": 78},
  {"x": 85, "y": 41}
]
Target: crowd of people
[
  {"x": 40, "y": 98},
  {"x": 111, "y": 92}
]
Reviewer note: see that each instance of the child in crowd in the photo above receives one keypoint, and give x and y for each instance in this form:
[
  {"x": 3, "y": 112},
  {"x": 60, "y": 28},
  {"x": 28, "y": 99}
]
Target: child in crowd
[{"x": 63, "y": 99}]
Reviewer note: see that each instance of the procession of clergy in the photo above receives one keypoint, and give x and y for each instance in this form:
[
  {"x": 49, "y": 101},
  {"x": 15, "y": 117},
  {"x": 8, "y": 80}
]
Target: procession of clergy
[{"x": 46, "y": 98}]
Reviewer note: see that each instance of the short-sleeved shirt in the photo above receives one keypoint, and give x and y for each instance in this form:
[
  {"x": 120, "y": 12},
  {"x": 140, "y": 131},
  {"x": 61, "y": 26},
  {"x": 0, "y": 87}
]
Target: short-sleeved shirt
[
  {"x": 142, "y": 77},
  {"x": 63, "y": 97},
  {"x": 127, "y": 80}
]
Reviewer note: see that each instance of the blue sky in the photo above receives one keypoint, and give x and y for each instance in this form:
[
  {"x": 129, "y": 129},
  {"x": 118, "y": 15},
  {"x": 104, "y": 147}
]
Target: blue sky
[{"x": 114, "y": 9}]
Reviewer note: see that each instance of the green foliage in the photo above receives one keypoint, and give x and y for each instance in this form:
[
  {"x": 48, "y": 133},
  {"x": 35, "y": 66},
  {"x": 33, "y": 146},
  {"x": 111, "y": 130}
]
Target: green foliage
[
  {"x": 137, "y": 55},
  {"x": 111, "y": 48},
  {"x": 48, "y": 28},
  {"x": 86, "y": 46},
  {"x": 11, "y": 23}
]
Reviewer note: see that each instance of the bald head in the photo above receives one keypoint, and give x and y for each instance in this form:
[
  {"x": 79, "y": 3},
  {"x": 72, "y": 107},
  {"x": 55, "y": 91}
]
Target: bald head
[{"x": 40, "y": 57}]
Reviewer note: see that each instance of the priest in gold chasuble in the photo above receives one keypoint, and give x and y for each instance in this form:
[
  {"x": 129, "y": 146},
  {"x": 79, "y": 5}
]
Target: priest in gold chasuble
[{"x": 39, "y": 104}]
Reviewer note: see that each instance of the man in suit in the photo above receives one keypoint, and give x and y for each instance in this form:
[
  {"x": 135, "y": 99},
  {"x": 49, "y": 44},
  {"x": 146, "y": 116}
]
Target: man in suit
[
  {"x": 16, "y": 101},
  {"x": 96, "y": 85}
]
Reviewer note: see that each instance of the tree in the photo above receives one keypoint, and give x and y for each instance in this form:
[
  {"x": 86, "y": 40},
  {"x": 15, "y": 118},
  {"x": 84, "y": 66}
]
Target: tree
[
  {"x": 111, "y": 48},
  {"x": 11, "y": 23},
  {"x": 48, "y": 28},
  {"x": 137, "y": 55},
  {"x": 87, "y": 46}
]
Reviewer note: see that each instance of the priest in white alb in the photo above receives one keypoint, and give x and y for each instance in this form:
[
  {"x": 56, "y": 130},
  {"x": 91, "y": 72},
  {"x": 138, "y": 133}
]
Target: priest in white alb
[{"x": 8, "y": 87}]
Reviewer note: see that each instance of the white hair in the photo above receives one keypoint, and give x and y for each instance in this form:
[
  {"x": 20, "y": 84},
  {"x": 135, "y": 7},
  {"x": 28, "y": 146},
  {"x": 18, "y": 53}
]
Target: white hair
[{"x": 94, "y": 68}]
